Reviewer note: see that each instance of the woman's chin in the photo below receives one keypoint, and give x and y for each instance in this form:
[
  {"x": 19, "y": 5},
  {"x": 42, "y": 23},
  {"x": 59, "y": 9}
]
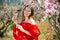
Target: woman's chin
[{"x": 26, "y": 16}]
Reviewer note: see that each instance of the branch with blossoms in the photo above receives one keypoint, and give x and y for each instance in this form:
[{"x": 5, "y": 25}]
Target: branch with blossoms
[{"x": 50, "y": 9}]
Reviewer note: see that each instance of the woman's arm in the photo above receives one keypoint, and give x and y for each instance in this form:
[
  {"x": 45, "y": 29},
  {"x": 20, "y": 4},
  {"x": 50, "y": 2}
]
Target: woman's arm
[
  {"x": 21, "y": 28},
  {"x": 15, "y": 20}
]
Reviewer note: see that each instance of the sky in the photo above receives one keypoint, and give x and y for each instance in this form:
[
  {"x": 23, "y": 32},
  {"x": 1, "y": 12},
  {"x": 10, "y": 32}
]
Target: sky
[{"x": 9, "y": 1}]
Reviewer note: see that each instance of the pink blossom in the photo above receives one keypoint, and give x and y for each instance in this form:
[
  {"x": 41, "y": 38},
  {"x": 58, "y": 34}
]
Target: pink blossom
[
  {"x": 59, "y": 6},
  {"x": 53, "y": 1},
  {"x": 50, "y": 5},
  {"x": 50, "y": 10}
]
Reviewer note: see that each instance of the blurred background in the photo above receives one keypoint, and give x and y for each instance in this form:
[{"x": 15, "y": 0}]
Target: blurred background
[{"x": 46, "y": 15}]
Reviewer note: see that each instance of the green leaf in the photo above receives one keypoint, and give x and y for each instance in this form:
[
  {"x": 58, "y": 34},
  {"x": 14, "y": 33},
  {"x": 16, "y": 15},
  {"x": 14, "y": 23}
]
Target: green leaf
[
  {"x": 12, "y": 25},
  {"x": 44, "y": 32},
  {"x": 47, "y": 19}
]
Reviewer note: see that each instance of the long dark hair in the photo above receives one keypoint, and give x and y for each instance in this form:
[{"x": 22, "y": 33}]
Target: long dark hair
[{"x": 32, "y": 12}]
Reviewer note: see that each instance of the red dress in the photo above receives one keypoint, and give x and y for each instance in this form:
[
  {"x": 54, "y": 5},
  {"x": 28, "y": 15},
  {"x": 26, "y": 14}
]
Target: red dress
[{"x": 33, "y": 29}]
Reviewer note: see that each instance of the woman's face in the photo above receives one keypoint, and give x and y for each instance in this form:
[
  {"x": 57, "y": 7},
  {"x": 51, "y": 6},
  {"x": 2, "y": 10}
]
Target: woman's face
[{"x": 27, "y": 12}]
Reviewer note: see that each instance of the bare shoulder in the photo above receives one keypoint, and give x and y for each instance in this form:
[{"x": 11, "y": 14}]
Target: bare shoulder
[{"x": 33, "y": 21}]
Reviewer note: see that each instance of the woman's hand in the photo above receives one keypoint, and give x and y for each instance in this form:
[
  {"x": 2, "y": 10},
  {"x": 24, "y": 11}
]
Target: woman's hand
[
  {"x": 22, "y": 29},
  {"x": 14, "y": 18},
  {"x": 27, "y": 32}
]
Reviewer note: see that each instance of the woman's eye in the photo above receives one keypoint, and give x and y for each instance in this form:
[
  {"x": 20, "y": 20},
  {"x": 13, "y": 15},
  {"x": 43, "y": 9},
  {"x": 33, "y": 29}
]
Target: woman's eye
[{"x": 28, "y": 11}]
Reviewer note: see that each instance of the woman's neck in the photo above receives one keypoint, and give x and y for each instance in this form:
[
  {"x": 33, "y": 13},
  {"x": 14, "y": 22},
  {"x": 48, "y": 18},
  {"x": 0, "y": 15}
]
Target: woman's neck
[
  {"x": 26, "y": 18},
  {"x": 30, "y": 20}
]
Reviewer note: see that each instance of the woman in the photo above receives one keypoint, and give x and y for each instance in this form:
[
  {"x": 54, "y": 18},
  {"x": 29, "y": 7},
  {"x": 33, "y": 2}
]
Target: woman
[{"x": 27, "y": 29}]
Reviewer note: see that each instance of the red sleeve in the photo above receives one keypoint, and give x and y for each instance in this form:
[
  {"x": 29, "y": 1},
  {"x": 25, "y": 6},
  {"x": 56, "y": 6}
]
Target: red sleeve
[
  {"x": 33, "y": 29},
  {"x": 14, "y": 31},
  {"x": 24, "y": 25}
]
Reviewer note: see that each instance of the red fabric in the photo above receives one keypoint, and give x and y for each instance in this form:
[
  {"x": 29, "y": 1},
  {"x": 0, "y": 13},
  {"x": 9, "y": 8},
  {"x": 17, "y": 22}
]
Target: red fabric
[{"x": 33, "y": 29}]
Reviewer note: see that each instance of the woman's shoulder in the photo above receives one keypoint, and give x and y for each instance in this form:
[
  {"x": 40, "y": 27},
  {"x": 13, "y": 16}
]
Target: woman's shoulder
[{"x": 33, "y": 21}]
